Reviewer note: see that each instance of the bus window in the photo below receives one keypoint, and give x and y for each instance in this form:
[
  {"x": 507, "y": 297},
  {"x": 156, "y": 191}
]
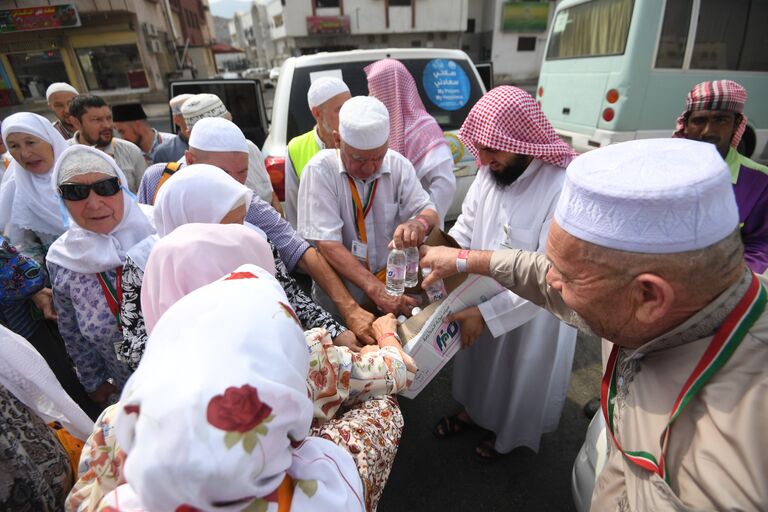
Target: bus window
[
  {"x": 674, "y": 34},
  {"x": 730, "y": 35},
  {"x": 591, "y": 29}
]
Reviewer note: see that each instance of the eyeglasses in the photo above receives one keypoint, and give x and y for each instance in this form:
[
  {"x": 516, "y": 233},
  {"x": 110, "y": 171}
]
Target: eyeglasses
[{"x": 78, "y": 191}]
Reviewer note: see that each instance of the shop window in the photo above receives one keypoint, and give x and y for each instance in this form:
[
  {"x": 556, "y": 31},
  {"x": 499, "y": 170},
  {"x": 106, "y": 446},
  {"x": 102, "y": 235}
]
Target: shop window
[
  {"x": 108, "y": 68},
  {"x": 406, "y": 3},
  {"x": 327, "y": 3},
  {"x": 35, "y": 71}
]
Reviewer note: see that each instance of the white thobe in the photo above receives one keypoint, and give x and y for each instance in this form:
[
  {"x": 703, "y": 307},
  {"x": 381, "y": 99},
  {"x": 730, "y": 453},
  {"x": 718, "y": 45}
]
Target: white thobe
[
  {"x": 514, "y": 379},
  {"x": 258, "y": 177},
  {"x": 435, "y": 172},
  {"x": 326, "y": 210}
]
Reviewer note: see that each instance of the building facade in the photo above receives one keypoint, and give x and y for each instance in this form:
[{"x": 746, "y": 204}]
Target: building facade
[
  {"x": 309, "y": 26},
  {"x": 106, "y": 47}
]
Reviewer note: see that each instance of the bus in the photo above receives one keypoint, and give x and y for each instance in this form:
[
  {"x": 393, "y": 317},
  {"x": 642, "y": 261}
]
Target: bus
[{"x": 617, "y": 70}]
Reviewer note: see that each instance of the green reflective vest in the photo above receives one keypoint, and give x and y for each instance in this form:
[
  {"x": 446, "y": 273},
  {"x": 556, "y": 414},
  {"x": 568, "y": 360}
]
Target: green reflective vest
[{"x": 301, "y": 149}]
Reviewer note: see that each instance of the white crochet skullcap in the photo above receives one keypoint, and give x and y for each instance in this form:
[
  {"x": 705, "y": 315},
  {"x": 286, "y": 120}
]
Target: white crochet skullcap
[
  {"x": 364, "y": 123},
  {"x": 217, "y": 134},
  {"x": 325, "y": 88},
  {"x": 649, "y": 196},
  {"x": 177, "y": 101},
  {"x": 201, "y": 106},
  {"x": 59, "y": 87}
]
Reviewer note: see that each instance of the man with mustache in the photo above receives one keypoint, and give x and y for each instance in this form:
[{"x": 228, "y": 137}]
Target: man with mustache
[
  {"x": 714, "y": 113},
  {"x": 512, "y": 377},
  {"x": 93, "y": 119}
]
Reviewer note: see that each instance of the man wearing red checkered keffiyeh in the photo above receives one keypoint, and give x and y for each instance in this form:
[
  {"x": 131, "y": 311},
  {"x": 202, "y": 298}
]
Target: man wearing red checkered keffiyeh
[
  {"x": 412, "y": 131},
  {"x": 513, "y": 375},
  {"x": 714, "y": 113}
]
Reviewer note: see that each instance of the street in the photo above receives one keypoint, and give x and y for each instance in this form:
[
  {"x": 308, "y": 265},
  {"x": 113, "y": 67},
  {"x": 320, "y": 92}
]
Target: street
[{"x": 445, "y": 475}]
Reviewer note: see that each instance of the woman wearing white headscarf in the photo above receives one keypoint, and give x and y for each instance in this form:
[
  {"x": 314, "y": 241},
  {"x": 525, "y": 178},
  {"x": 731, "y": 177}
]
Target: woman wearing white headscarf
[
  {"x": 86, "y": 264},
  {"x": 203, "y": 193},
  {"x": 235, "y": 439},
  {"x": 29, "y": 208},
  {"x": 37, "y": 473}
]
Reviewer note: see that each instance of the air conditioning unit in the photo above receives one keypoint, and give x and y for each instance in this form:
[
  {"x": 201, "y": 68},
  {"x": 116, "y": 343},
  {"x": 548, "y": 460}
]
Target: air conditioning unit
[
  {"x": 149, "y": 29},
  {"x": 154, "y": 46}
]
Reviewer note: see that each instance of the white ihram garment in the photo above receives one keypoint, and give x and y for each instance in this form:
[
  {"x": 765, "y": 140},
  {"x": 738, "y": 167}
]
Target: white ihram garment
[{"x": 514, "y": 379}]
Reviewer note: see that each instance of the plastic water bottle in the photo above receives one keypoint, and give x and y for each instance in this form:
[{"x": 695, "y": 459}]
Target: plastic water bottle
[
  {"x": 436, "y": 291},
  {"x": 411, "y": 267},
  {"x": 396, "y": 272}
]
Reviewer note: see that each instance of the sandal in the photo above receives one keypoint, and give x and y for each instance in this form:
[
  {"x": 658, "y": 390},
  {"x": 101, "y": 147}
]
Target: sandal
[
  {"x": 486, "y": 450},
  {"x": 449, "y": 426}
]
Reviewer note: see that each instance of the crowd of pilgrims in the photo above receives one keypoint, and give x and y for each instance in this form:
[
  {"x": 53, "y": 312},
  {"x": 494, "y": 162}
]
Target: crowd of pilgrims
[{"x": 158, "y": 353}]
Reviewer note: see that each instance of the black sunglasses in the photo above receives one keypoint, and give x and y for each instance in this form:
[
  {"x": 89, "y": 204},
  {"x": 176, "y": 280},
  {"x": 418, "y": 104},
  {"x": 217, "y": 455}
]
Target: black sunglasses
[{"x": 78, "y": 191}]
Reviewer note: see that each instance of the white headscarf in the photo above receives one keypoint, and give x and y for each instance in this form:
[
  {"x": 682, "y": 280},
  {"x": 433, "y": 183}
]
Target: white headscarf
[
  {"x": 198, "y": 193},
  {"x": 28, "y": 200},
  {"x": 86, "y": 252},
  {"x": 24, "y": 372},
  {"x": 218, "y": 412}
]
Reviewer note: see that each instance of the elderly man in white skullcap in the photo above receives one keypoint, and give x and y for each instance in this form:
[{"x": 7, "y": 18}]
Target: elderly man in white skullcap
[
  {"x": 354, "y": 201},
  {"x": 59, "y": 95},
  {"x": 219, "y": 142},
  {"x": 202, "y": 106},
  {"x": 644, "y": 250},
  {"x": 325, "y": 97},
  {"x": 173, "y": 149}
]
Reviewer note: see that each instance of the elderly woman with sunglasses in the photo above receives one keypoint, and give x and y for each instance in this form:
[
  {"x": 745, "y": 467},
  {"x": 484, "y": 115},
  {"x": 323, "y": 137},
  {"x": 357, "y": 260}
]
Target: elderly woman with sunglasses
[{"x": 85, "y": 265}]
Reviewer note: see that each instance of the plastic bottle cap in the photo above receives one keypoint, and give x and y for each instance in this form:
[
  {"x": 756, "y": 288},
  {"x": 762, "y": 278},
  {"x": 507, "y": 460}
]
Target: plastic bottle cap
[
  {"x": 401, "y": 319},
  {"x": 415, "y": 311}
]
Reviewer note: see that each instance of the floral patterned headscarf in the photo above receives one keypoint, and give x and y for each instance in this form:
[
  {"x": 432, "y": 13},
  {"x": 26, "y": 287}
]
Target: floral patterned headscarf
[{"x": 217, "y": 414}]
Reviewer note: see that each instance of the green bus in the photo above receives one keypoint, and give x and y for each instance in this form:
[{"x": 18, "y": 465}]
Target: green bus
[{"x": 617, "y": 70}]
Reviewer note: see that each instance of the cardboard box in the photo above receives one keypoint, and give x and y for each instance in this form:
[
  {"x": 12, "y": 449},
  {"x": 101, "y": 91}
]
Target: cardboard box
[{"x": 427, "y": 337}]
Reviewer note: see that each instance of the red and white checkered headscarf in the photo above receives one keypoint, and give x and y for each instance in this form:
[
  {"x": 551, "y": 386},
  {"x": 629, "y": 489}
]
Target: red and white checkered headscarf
[
  {"x": 509, "y": 119},
  {"x": 390, "y": 82},
  {"x": 724, "y": 95}
]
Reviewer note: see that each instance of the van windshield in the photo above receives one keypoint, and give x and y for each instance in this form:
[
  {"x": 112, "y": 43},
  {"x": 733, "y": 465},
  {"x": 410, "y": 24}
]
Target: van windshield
[
  {"x": 591, "y": 29},
  {"x": 448, "y": 110}
]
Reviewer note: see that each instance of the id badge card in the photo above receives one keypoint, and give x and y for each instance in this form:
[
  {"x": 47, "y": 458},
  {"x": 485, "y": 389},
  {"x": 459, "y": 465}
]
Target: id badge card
[{"x": 360, "y": 250}]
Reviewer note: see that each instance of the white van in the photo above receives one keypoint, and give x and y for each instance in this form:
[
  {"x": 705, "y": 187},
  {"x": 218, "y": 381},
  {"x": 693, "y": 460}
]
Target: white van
[{"x": 291, "y": 115}]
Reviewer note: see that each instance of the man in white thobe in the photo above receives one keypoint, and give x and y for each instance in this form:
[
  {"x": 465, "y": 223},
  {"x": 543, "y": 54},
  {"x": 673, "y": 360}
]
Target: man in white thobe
[
  {"x": 513, "y": 378},
  {"x": 363, "y": 175}
]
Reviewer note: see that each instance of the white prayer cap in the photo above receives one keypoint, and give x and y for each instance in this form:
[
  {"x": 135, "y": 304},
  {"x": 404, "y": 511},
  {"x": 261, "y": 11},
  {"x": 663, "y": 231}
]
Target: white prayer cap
[
  {"x": 364, "y": 123},
  {"x": 177, "y": 101},
  {"x": 59, "y": 87},
  {"x": 325, "y": 88},
  {"x": 201, "y": 106},
  {"x": 649, "y": 196},
  {"x": 217, "y": 134}
]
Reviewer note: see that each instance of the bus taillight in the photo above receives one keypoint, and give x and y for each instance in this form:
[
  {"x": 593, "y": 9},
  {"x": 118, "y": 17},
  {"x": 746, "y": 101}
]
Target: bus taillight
[
  {"x": 541, "y": 91},
  {"x": 608, "y": 114},
  {"x": 612, "y": 96}
]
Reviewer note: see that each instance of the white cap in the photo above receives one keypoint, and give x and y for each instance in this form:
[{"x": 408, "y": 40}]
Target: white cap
[
  {"x": 325, "y": 88},
  {"x": 217, "y": 134},
  {"x": 649, "y": 196},
  {"x": 201, "y": 106},
  {"x": 177, "y": 101},
  {"x": 59, "y": 87},
  {"x": 364, "y": 123}
]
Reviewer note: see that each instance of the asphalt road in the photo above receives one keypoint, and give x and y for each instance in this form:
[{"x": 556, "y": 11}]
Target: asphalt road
[{"x": 445, "y": 475}]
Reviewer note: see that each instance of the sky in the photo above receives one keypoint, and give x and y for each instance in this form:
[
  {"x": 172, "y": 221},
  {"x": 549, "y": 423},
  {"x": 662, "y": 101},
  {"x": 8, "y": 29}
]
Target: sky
[{"x": 227, "y": 8}]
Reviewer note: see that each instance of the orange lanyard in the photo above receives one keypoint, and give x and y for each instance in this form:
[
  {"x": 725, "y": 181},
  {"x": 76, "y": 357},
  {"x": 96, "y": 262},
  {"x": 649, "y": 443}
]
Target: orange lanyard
[{"x": 361, "y": 210}]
